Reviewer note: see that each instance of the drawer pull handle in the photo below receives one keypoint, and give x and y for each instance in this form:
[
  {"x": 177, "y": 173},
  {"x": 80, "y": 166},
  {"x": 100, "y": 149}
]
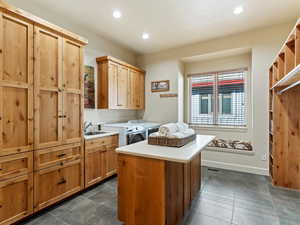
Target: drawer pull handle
[
  {"x": 62, "y": 182},
  {"x": 61, "y": 155}
]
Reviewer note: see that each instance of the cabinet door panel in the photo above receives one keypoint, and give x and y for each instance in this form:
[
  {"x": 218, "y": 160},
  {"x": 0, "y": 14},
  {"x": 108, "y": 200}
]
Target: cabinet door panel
[
  {"x": 48, "y": 84},
  {"x": 72, "y": 125},
  {"x": 94, "y": 165},
  {"x": 141, "y": 89},
  {"x": 112, "y": 86},
  {"x": 16, "y": 165},
  {"x": 122, "y": 87},
  {"x": 56, "y": 183},
  {"x": 16, "y": 199},
  {"x": 111, "y": 160},
  {"x": 133, "y": 90},
  {"x": 16, "y": 85},
  {"x": 15, "y": 49},
  {"x": 72, "y": 92},
  {"x": 57, "y": 155},
  {"x": 72, "y": 68}
]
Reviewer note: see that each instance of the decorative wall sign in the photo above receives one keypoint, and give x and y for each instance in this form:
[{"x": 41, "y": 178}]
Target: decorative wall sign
[
  {"x": 89, "y": 87},
  {"x": 171, "y": 95},
  {"x": 160, "y": 86}
]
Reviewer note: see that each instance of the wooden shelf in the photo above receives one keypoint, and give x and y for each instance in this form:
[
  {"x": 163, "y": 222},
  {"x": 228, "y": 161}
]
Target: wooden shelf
[{"x": 289, "y": 81}]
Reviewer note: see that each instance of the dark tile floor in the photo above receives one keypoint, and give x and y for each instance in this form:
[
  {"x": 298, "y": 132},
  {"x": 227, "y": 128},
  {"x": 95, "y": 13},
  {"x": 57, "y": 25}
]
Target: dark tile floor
[{"x": 226, "y": 198}]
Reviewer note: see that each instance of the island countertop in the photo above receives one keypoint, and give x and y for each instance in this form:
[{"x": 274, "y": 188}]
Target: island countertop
[{"x": 182, "y": 155}]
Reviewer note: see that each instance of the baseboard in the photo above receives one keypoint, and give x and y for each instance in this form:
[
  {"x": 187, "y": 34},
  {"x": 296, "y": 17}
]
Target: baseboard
[{"x": 236, "y": 167}]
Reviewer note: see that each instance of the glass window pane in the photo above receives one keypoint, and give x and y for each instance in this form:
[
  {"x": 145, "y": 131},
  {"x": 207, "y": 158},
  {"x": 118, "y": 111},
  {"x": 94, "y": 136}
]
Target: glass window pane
[
  {"x": 231, "y": 97},
  {"x": 202, "y": 99}
]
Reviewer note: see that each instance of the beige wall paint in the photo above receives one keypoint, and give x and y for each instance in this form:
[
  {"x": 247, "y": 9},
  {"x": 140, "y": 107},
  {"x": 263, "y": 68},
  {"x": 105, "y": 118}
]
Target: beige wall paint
[
  {"x": 264, "y": 45},
  {"x": 98, "y": 46}
]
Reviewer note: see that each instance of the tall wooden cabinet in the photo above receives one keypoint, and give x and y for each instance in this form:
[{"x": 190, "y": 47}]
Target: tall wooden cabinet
[
  {"x": 284, "y": 95},
  {"x": 16, "y": 84},
  {"x": 58, "y": 89},
  {"x": 121, "y": 85},
  {"x": 41, "y": 109}
]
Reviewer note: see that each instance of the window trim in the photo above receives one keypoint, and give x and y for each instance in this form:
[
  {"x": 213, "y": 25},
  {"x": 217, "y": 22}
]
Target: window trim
[{"x": 215, "y": 75}]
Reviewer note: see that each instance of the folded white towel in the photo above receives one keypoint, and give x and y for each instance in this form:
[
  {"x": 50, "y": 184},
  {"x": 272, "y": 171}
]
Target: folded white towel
[
  {"x": 156, "y": 134},
  {"x": 168, "y": 129},
  {"x": 178, "y": 135},
  {"x": 182, "y": 126},
  {"x": 189, "y": 131}
]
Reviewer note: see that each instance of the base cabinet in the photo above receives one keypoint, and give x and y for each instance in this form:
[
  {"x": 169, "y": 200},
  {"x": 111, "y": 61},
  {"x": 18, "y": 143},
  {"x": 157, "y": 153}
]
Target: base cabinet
[
  {"x": 56, "y": 183},
  {"x": 100, "y": 159},
  {"x": 153, "y": 191},
  {"x": 16, "y": 198},
  {"x": 94, "y": 166}
]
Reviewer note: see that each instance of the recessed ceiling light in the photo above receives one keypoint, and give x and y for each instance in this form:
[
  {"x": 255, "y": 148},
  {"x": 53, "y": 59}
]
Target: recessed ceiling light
[
  {"x": 238, "y": 10},
  {"x": 145, "y": 36},
  {"x": 117, "y": 14}
]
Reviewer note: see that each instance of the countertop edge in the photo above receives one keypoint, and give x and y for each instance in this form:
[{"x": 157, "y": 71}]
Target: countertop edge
[
  {"x": 171, "y": 159},
  {"x": 87, "y": 138}
]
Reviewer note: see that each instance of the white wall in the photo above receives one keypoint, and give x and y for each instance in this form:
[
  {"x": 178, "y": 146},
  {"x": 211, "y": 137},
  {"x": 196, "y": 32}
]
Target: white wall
[
  {"x": 264, "y": 44},
  {"x": 98, "y": 46}
]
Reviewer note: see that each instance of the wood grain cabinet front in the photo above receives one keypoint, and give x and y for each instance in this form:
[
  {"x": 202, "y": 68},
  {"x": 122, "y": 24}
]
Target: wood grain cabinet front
[
  {"x": 15, "y": 165},
  {"x": 16, "y": 198},
  {"x": 121, "y": 85},
  {"x": 58, "y": 89},
  {"x": 100, "y": 159},
  {"x": 16, "y": 85},
  {"x": 57, "y": 155},
  {"x": 56, "y": 183}
]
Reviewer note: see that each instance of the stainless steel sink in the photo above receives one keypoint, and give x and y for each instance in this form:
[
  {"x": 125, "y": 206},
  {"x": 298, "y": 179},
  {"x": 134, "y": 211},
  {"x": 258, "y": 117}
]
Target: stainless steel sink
[{"x": 95, "y": 133}]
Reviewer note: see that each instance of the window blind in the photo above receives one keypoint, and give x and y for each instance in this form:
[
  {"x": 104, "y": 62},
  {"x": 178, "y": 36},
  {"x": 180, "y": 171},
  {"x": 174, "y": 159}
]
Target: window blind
[{"x": 218, "y": 98}]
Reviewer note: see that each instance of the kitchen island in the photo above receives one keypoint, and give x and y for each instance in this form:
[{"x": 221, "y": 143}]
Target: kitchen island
[{"x": 157, "y": 184}]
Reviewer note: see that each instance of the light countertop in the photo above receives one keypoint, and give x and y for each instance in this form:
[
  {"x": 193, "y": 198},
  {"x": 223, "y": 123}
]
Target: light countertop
[
  {"x": 108, "y": 133},
  {"x": 182, "y": 155}
]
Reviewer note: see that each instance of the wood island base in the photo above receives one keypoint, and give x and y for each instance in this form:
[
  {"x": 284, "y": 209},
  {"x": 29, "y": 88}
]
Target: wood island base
[{"x": 156, "y": 192}]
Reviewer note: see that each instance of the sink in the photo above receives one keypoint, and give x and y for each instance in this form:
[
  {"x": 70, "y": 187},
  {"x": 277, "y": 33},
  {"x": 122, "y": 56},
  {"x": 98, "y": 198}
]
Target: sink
[{"x": 95, "y": 133}]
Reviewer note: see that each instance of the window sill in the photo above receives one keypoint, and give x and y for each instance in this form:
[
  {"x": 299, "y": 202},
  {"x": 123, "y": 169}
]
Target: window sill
[{"x": 219, "y": 128}]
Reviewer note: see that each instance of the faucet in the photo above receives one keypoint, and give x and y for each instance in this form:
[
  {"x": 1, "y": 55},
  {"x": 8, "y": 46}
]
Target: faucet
[{"x": 86, "y": 126}]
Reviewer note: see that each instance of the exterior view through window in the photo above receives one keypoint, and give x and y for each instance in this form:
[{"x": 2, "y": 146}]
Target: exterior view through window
[{"x": 218, "y": 99}]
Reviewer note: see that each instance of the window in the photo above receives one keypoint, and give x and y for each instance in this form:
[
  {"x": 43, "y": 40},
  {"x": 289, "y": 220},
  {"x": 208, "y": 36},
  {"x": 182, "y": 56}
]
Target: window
[{"x": 218, "y": 99}]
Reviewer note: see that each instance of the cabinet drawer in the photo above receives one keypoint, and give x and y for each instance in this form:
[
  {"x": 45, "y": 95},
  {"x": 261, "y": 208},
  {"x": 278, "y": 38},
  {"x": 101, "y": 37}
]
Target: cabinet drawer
[
  {"x": 56, "y": 156},
  {"x": 56, "y": 183},
  {"x": 16, "y": 198},
  {"x": 110, "y": 140},
  {"x": 15, "y": 165}
]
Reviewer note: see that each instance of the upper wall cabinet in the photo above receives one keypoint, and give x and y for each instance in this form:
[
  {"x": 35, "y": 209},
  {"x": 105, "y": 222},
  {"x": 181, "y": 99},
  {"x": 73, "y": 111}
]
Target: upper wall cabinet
[
  {"x": 16, "y": 85},
  {"x": 120, "y": 85}
]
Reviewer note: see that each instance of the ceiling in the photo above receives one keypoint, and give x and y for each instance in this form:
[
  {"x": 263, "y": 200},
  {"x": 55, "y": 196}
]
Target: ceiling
[{"x": 170, "y": 23}]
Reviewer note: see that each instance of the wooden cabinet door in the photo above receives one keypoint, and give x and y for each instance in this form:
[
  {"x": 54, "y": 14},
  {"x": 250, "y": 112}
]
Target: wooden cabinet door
[
  {"x": 94, "y": 165},
  {"x": 56, "y": 183},
  {"x": 16, "y": 198},
  {"x": 48, "y": 88},
  {"x": 122, "y": 87},
  {"x": 112, "y": 86},
  {"x": 16, "y": 85},
  {"x": 111, "y": 160},
  {"x": 141, "y": 91},
  {"x": 133, "y": 89},
  {"x": 72, "y": 92}
]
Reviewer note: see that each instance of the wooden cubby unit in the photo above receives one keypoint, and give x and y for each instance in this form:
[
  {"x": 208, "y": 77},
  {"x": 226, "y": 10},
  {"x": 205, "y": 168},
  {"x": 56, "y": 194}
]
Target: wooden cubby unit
[{"x": 284, "y": 107}]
